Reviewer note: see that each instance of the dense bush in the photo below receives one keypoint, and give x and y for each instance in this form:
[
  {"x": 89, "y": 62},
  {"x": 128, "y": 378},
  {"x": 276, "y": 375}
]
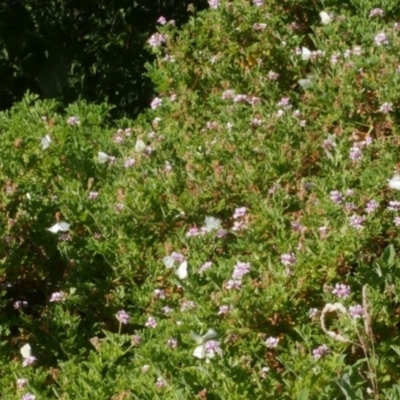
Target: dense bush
[
  {"x": 238, "y": 240},
  {"x": 92, "y": 50}
]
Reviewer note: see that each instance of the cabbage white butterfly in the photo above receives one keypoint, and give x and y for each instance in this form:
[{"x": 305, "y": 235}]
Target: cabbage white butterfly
[
  {"x": 26, "y": 351},
  {"x": 305, "y": 54},
  {"x": 394, "y": 183},
  {"x": 182, "y": 271},
  {"x": 103, "y": 157},
  {"x": 140, "y": 146},
  {"x": 306, "y": 83},
  {"x": 59, "y": 226},
  {"x": 200, "y": 351},
  {"x": 325, "y": 17},
  {"x": 168, "y": 261},
  {"x": 45, "y": 141},
  {"x": 212, "y": 223}
]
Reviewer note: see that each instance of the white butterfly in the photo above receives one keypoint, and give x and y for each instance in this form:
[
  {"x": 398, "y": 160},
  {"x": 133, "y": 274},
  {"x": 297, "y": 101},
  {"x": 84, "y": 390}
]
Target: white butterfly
[
  {"x": 45, "y": 140},
  {"x": 306, "y": 83},
  {"x": 325, "y": 18},
  {"x": 59, "y": 226},
  {"x": 200, "y": 351},
  {"x": 182, "y": 271},
  {"x": 103, "y": 157},
  {"x": 168, "y": 261},
  {"x": 305, "y": 54},
  {"x": 26, "y": 351},
  {"x": 212, "y": 223},
  {"x": 140, "y": 146},
  {"x": 394, "y": 183}
]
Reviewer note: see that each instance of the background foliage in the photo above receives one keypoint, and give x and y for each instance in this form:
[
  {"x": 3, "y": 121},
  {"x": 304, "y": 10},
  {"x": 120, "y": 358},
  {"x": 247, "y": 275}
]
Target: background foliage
[{"x": 92, "y": 50}]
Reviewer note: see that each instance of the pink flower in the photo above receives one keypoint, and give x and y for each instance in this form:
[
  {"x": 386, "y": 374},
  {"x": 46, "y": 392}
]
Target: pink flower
[
  {"x": 156, "y": 40},
  {"x": 336, "y": 196},
  {"x": 159, "y": 293},
  {"x": 342, "y": 291},
  {"x": 386, "y": 107},
  {"x": 228, "y": 94},
  {"x": 273, "y": 76},
  {"x": 239, "y": 212},
  {"x": 355, "y": 153},
  {"x": 288, "y": 259},
  {"x": 28, "y": 396},
  {"x": 396, "y": 221},
  {"x": 284, "y": 102},
  {"x": 28, "y": 361},
  {"x": 272, "y": 342},
  {"x": 233, "y": 284},
  {"x": 162, "y": 20},
  {"x": 212, "y": 347},
  {"x": 224, "y": 309},
  {"x": 356, "y": 311},
  {"x": 187, "y": 305},
  {"x": 213, "y": 4},
  {"x": 240, "y": 270},
  {"x": 377, "y": 12},
  {"x": 123, "y": 317},
  {"x": 93, "y": 195},
  {"x": 240, "y": 98},
  {"x": 173, "y": 343},
  {"x": 156, "y": 103},
  {"x": 166, "y": 310},
  {"x": 205, "y": 266},
  {"x": 381, "y": 39},
  {"x": 73, "y": 121},
  {"x": 22, "y": 382},
  {"x": 320, "y": 352},
  {"x": 372, "y": 205},
  {"x": 161, "y": 382},
  {"x": 129, "y": 162},
  {"x": 258, "y": 3},
  {"x": 57, "y": 296},
  {"x": 356, "y": 222},
  {"x": 151, "y": 323},
  {"x": 20, "y": 304}
]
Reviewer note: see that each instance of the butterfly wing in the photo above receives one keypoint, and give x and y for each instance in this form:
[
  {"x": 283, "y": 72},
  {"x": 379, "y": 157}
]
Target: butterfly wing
[
  {"x": 197, "y": 338},
  {"x": 199, "y": 352},
  {"x": 168, "y": 261},
  {"x": 182, "y": 271},
  {"x": 140, "y": 146},
  {"x": 45, "y": 141},
  {"x": 305, "y": 54},
  {"x": 325, "y": 17},
  {"x": 102, "y": 157},
  {"x": 210, "y": 334},
  {"x": 64, "y": 226},
  {"x": 55, "y": 228},
  {"x": 394, "y": 183},
  {"x": 26, "y": 350}
]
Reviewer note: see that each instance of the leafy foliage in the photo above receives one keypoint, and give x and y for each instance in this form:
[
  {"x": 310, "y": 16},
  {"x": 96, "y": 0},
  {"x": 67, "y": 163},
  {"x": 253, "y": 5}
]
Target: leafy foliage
[{"x": 239, "y": 235}]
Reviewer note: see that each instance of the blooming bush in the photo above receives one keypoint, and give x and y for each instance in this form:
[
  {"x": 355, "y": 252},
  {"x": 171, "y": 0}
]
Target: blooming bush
[{"x": 240, "y": 234}]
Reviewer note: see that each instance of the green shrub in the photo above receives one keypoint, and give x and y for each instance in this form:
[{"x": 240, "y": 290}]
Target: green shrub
[{"x": 237, "y": 241}]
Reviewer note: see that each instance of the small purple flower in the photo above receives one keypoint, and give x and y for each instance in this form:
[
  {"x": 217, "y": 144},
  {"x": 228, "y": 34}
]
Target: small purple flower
[
  {"x": 156, "y": 40},
  {"x": 258, "y": 3},
  {"x": 166, "y": 310},
  {"x": 213, "y": 4},
  {"x": 240, "y": 98},
  {"x": 205, "y": 266},
  {"x": 57, "y": 296},
  {"x": 394, "y": 206},
  {"x": 336, "y": 196},
  {"x": 224, "y": 309},
  {"x": 93, "y": 195},
  {"x": 396, "y": 221},
  {"x": 212, "y": 347},
  {"x": 73, "y": 121},
  {"x": 172, "y": 343},
  {"x": 233, "y": 284},
  {"x": 151, "y": 322},
  {"x": 377, "y": 12},
  {"x": 272, "y": 342},
  {"x": 238, "y": 226},
  {"x": 273, "y": 76},
  {"x": 356, "y": 221},
  {"x": 342, "y": 291},
  {"x": 178, "y": 257},
  {"x": 159, "y": 293},
  {"x": 193, "y": 231},
  {"x": 129, "y": 162},
  {"x": 22, "y": 382},
  {"x": 28, "y": 396},
  {"x": 162, "y": 20},
  {"x": 288, "y": 259},
  {"x": 161, "y": 382},
  {"x": 20, "y": 304},
  {"x": 320, "y": 351},
  {"x": 187, "y": 305},
  {"x": 284, "y": 102},
  {"x": 357, "y": 51},
  {"x": 254, "y": 100},
  {"x": 240, "y": 270},
  {"x": 228, "y": 94},
  {"x": 28, "y": 361},
  {"x": 298, "y": 227},
  {"x": 221, "y": 233},
  {"x": 386, "y": 107},
  {"x": 156, "y": 103},
  {"x": 371, "y": 206},
  {"x": 239, "y": 212},
  {"x": 123, "y": 317},
  {"x": 256, "y": 122},
  {"x": 355, "y": 153},
  {"x": 381, "y": 39},
  {"x": 356, "y": 311},
  {"x": 335, "y": 58},
  {"x": 136, "y": 339}
]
